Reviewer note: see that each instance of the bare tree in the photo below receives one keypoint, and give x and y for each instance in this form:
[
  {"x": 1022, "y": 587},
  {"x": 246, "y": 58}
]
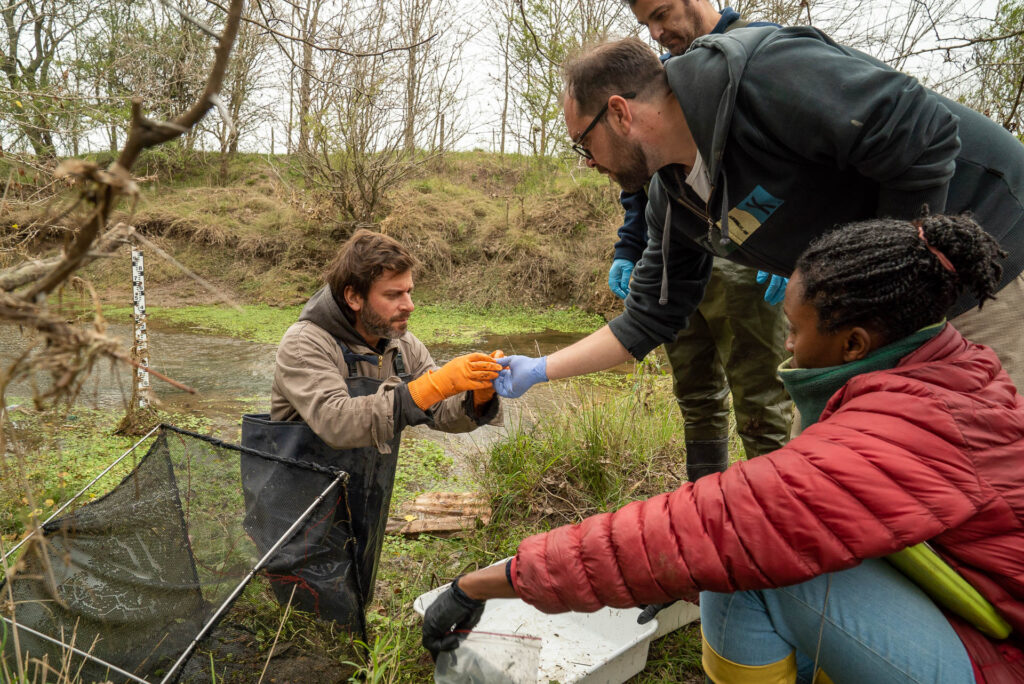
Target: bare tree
[
  {"x": 999, "y": 59},
  {"x": 539, "y": 37},
  {"x": 71, "y": 351},
  {"x": 240, "y": 111},
  {"x": 34, "y": 32}
]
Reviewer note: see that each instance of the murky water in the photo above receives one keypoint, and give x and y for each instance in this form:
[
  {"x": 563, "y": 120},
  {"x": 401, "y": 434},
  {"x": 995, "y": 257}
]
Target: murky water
[{"x": 233, "y": 376}]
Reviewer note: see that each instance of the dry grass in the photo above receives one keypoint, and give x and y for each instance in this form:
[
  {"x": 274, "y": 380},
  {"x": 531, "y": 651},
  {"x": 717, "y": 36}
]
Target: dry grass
[{"x": 487, "y": 230}]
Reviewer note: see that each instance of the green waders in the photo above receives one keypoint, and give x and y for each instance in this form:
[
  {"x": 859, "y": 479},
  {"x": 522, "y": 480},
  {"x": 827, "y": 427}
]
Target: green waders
[{"x": 735, "y": 342}]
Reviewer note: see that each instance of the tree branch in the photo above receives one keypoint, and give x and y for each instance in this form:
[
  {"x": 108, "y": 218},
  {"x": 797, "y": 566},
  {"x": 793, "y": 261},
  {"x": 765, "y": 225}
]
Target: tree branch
[
  {"x": 324, "y": 48},
  {"x": 968, "y": 42}
]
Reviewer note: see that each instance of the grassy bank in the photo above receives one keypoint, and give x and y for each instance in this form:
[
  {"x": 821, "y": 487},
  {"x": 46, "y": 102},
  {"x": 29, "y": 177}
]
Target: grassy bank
[
  {"x": 489, "y": 230},
  {"x": 431, "y": 323}
]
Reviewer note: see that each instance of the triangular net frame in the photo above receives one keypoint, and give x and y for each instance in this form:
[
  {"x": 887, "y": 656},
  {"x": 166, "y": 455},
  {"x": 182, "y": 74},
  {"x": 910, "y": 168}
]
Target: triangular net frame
[{"x": 124, "y": 588}]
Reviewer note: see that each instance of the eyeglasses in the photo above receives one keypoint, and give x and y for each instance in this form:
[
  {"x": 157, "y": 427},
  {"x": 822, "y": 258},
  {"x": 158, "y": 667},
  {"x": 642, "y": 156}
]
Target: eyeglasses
[{"x": 577, "y": 143}]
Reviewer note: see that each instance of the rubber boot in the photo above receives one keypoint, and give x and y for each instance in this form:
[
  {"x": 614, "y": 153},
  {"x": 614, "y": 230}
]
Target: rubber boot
[
  {"x": 705, "y": 457},
  {"x": 718, "y": 670}
]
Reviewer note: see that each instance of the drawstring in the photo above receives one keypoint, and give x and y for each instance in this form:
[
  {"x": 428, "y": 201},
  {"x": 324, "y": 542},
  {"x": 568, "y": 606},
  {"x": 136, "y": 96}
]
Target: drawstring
[
  {"x": 665, "y": 243},
  {"x": 725, "y": 211}
]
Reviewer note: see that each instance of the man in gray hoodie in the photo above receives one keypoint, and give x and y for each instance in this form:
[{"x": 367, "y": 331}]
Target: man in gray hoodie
[{"x": 349, "y": 378}]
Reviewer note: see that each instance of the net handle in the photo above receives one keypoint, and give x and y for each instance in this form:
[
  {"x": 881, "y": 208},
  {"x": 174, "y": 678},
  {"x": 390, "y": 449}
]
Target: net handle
[{"x": 340, "y": 477}]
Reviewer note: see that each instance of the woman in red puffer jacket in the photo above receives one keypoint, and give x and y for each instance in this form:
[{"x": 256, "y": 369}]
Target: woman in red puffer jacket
[{"x": 912, "y": 434}]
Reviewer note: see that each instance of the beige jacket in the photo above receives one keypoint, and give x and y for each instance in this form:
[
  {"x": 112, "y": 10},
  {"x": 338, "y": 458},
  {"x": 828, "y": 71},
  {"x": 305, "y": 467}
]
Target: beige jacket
[{"x": 310, "y": 384}]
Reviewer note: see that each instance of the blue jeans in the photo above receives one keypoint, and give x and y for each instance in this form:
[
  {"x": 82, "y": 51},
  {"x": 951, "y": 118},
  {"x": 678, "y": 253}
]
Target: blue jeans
[{"x": 879, "y": 627}]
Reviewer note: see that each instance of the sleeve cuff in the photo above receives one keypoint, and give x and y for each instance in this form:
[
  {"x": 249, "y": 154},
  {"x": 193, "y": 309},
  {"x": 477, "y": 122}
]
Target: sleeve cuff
[
  {"x": 635, "y": 342},
  {"x": 487, "y": 411},
  {"x": 406, "y": 411}
]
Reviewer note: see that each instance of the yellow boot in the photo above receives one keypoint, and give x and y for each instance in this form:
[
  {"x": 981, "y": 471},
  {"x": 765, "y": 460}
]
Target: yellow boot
[{"x": 721, "y": 671}]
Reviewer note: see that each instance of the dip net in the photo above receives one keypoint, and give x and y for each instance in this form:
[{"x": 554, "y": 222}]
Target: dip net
[{"x": 124, "y": 588}]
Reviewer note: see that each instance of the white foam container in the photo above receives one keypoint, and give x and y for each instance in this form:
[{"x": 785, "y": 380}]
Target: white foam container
[{"x": 605, "y": 647}]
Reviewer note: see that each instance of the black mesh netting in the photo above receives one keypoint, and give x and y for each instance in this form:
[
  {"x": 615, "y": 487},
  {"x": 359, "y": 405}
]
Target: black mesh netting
[{"x": 133, "y": 576}]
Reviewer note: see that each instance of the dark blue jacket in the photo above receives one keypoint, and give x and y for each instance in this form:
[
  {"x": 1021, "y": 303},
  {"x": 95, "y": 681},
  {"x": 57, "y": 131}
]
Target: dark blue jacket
[
  {"x": 801, "y": 135},
  {"x": 633, "y": 232}
]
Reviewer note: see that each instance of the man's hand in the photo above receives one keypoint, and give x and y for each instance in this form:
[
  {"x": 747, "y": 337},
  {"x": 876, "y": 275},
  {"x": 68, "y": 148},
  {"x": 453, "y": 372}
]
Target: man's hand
[
  {"x": 470, "y": 372},
  {"x": 650, "y": 611},
  {"x": 618, "y": 277},
  {"x": 482, "y": 396},
  {"x": 451, "y": 611},
  {"x": 776, "y": 290},
  {"x": 519, "y": 374}
]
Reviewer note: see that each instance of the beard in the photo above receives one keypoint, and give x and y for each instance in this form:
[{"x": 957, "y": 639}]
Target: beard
[
  {"x": 631, "y": 173},
  {"x": 678, "y": 42},
  {"x": 378, "y": 326}
]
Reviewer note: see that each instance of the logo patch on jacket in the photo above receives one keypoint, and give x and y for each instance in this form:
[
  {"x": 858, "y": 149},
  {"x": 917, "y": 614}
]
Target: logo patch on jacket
[{"x": 747, "y": 216}]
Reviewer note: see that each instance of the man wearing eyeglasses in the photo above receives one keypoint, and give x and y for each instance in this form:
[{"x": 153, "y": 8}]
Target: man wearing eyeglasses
[
  {"x": 735, "y": 340},
  {"x": 796, "y": 135}
]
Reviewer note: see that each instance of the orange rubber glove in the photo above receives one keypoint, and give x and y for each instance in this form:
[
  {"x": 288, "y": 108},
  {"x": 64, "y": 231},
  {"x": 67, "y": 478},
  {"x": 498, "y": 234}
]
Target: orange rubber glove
[
  {"x": 482, "y": 396},
  {"x": 469, "y": 372}
]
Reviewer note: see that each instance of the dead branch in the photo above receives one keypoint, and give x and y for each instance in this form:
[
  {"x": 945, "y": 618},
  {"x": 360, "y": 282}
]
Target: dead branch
[
  {"x": 29, "y": 272},
  {"x": 70, "y": 352}
]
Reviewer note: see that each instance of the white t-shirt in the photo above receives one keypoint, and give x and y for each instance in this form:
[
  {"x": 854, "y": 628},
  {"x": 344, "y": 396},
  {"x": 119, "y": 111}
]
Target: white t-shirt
[{"x": 699, "y": 180}]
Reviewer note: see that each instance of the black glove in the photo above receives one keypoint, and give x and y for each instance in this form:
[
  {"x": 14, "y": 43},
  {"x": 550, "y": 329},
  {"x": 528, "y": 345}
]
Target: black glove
[
  {"x": 451, "y": 610},
  {"x": 650, "y": 611}
]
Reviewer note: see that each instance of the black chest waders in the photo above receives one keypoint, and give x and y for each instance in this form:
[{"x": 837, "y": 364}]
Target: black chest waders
[{"x": 331, "y": 562}]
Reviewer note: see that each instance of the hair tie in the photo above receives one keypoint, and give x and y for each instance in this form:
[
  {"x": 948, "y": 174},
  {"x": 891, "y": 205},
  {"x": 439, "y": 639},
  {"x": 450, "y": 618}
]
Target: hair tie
[{"x": 946, "y": 263}]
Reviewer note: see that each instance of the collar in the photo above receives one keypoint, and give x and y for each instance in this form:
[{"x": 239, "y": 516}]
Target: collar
[
  {"x": 811, "y": 388},
  {"x": 729, "y": 15}
]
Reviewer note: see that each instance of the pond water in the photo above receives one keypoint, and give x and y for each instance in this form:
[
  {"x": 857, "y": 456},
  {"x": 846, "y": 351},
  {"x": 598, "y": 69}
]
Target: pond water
[{"x": 233, "y": 376}]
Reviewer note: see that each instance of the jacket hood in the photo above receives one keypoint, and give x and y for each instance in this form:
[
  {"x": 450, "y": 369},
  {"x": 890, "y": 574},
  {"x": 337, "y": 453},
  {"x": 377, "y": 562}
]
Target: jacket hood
[
  {"x": 323, "y": 311},
  {"x": 705, "y": 81}
]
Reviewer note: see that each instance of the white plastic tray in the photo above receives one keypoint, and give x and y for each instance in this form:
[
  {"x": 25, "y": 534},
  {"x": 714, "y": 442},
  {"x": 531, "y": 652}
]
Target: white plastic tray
[{"x": 606, "y": 647}]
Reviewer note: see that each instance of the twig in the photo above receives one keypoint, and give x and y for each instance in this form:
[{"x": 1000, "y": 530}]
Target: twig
[
  {"x": 159, "y": 375},
  {"x": 536, "y": 42},
  {"x": 968, "y": 42},
  {"x": 280, "y": 626},
  {"x": 322, "y": 48},
  {"x": 190, "y": 19}
]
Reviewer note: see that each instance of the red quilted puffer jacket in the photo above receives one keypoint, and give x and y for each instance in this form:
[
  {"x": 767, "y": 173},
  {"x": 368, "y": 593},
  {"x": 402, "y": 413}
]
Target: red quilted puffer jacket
[{"x": 932, "y": 449}]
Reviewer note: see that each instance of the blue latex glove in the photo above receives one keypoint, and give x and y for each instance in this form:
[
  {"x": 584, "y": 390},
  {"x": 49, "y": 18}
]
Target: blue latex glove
[
  {"x": 776, "y": 290},
  {"x": 520, "y": 373},
  {"x": 618, "y": 277}
]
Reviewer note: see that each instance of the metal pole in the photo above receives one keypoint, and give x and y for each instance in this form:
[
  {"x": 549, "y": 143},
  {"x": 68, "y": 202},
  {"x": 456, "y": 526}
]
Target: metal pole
[
  {"x": 238, "y": 590},
  {"x": 84, "y": 490},
  {"x": 77, "y": 651},
  {"x": 141, "y": 340}
]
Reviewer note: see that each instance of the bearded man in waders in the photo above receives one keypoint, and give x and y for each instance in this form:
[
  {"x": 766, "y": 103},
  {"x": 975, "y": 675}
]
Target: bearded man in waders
[{"x": 349, "y": 379}]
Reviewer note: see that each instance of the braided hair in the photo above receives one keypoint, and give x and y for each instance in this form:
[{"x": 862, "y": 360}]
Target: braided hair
[{"x": 887, "y": 275}]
